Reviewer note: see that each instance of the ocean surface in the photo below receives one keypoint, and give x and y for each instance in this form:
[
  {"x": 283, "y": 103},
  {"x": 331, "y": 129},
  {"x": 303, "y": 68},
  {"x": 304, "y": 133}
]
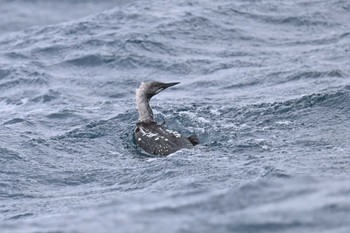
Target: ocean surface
[{"x": 265, "y": 85}]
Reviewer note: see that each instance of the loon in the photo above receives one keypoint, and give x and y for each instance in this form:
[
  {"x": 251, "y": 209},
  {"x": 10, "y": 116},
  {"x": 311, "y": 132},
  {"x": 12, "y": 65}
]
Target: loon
[{"x": 151, "y": 137}]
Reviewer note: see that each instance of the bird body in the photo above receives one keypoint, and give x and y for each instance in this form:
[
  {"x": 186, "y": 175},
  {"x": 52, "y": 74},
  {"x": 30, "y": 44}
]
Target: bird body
[{"x": 153, "y": 138}]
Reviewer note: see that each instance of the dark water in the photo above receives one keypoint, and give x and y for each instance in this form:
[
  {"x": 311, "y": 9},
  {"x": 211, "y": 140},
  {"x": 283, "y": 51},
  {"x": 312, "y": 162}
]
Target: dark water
[{"x": 264, "y": 84}]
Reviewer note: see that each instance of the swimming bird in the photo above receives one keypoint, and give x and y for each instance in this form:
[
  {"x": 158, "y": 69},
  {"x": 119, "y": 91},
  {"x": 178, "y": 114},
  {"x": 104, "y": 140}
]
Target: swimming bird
[{"x": 151, "y": 137}]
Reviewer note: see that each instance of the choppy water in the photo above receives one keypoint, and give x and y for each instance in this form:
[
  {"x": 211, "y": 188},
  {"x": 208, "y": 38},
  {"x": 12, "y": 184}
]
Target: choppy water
[{"x": 264, "y": 84}]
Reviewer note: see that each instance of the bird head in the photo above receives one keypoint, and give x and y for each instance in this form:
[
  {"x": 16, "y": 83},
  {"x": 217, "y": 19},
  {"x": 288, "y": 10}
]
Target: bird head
[{"x": 150, "y": 89}]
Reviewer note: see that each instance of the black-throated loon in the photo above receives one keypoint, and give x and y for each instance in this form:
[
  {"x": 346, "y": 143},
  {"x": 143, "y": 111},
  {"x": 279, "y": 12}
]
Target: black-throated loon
[{"x": 151, "y": 137}]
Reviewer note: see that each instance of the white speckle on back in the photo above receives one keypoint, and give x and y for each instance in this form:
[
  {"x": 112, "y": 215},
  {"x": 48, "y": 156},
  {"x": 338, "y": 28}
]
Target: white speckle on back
[{"x": 176, "y": 134}]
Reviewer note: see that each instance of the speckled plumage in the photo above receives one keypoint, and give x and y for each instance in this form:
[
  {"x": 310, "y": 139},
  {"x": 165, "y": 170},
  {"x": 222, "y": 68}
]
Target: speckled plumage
[{"x": 156, "y": 140}]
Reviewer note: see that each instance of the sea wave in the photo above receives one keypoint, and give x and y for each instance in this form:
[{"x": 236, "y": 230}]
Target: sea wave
[{"x": 264, "y": 86}]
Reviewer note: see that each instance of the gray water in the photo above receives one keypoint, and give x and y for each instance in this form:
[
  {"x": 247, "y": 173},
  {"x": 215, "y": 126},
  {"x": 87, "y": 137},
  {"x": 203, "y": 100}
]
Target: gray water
[{"x": 264, "y": 85}]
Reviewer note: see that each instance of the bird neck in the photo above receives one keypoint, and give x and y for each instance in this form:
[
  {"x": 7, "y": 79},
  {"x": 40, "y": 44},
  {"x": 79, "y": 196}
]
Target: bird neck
[{"x": 145, "y": 111}]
